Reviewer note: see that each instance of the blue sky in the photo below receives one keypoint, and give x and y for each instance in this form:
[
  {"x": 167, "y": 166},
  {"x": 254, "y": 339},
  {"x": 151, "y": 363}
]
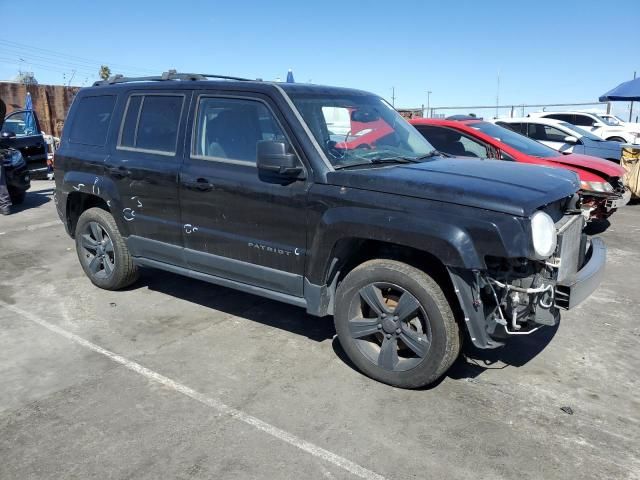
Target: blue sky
[{"x": 545, "y": 51}]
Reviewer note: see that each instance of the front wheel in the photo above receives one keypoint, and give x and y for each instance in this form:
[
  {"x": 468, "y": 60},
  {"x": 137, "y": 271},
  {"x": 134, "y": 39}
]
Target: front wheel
[
  {"x": 395, "y": 324},
  {"x": 102, "y": 251}
]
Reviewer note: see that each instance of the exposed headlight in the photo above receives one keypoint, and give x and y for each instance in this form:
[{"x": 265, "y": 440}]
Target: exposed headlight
[
  {"x": 596, "y": 186},
  {"x": 14, "y": 159},
  {"x": 543, "y": 234}
]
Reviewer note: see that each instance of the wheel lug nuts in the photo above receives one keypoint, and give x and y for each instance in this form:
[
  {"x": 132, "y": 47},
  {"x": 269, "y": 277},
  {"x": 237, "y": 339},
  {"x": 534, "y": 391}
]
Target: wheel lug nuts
[
  {"x": 384, "y": 315},
  {"x": 388, "y": 335},
  {"x": 379, "y": 326},
  {"x": 398, "y": 330}
]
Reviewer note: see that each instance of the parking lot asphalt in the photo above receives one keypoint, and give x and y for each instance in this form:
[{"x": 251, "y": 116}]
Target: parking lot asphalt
[{"x": 175, "y": 378}]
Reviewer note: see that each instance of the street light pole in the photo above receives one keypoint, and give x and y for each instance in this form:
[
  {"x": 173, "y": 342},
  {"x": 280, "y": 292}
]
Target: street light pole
[
  {"x": 631, "y": 106},
  {"x": 428, "y": 103}
]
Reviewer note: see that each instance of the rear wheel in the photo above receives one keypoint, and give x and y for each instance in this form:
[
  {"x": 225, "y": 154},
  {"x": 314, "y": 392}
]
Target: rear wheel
[
  {"x": 617, "y": 139},
  {"x": 102, "y": 252},
  {"x": 395, "y": 324}
]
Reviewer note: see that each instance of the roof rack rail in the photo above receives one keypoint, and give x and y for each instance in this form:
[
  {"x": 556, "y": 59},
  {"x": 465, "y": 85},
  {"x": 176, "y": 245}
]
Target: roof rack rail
[{"x": 170, "y": 75}]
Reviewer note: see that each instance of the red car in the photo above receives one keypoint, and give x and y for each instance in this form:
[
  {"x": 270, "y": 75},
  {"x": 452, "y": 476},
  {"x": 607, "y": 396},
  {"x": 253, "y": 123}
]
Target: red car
[{"x": 602, "y": 189}]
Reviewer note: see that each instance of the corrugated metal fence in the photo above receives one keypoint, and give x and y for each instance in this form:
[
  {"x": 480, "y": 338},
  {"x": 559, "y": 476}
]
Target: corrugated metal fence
[{"x": 50, "y": 102}]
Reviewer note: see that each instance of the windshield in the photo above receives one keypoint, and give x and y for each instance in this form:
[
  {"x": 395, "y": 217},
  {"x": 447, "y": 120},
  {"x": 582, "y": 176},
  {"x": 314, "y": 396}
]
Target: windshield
[
  {"x": 612, "y": 120},
  {"x": 515, "y": 140},
  {"x": 357, "y": 129},
  {"x": 581, "y": 132}
]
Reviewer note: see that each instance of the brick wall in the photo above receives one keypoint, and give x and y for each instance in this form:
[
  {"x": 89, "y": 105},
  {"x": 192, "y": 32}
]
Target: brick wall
[{"x": 50, "y": 102}]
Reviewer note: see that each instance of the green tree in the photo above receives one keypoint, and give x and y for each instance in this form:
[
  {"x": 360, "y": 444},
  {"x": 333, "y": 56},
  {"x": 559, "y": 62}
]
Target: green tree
[{"x": 105, "y": 72}]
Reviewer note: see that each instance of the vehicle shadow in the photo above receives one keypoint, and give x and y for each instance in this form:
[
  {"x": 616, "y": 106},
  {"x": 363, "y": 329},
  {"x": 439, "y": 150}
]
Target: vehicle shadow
[
  {"x": 472, "y": 362},
  {"x": 517, "y": 352},
  {"x": 33, "y": 199},
  {"x": 233, "y": 302}
]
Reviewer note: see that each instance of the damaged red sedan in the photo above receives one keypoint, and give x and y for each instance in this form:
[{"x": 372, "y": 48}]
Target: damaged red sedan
[{"x": 602, "y": 190}]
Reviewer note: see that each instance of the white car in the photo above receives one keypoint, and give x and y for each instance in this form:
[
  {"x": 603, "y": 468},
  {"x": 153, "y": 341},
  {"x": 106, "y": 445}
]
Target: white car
[
  {"x": 563, "y": 136},
  {"x": 615, "y": 120},
  {"x": 629, "y": 133}
]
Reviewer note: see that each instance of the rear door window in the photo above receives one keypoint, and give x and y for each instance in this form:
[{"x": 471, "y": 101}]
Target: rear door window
[
  {"x": 584, "y": 121},
  {"x": 565, "y": 117},
  {"x": 91, "y": 120},
  {"x": 453, "y": 142},
  {"x": 151, "y": 123},
  {"x": 516, "y": 127}
]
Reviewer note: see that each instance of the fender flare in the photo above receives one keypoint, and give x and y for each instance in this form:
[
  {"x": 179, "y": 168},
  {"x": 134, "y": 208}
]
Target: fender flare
[{"x": 94, "y": 185}]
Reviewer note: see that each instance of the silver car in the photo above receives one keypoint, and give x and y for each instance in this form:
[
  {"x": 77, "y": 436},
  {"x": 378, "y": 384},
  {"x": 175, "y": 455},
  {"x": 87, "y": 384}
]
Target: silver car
[{"x": 563, "y": 137}]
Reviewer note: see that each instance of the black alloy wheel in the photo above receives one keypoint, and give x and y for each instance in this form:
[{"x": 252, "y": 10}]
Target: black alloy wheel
[{"x": 390, "y": 326}]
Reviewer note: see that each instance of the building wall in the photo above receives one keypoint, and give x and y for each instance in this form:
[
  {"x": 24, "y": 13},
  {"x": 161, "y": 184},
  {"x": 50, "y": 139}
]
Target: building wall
[{"x": 50, "y": 102}]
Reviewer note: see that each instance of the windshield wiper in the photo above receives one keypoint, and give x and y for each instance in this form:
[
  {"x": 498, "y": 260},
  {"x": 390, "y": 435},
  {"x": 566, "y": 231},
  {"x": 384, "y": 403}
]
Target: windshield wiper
[
  {"x": 378, "y": 161},
  {"x": 434, "y": 153}
]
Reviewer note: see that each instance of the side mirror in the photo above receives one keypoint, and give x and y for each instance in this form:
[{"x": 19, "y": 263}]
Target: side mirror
[
  {"x": 274, "y": 159},
  {"x": 570, "y": 139},
  {"x": 8, "y": 134}
]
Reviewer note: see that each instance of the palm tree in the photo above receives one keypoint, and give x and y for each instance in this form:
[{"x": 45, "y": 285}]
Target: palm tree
[{"x": 105, "y": 72}]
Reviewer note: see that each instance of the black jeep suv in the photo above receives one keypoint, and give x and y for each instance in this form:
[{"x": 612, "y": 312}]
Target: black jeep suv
[{"x": 325, "y": 198}]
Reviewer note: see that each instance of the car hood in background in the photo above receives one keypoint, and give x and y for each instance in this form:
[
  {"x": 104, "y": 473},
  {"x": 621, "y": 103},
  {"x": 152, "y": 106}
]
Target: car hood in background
[
  {"x": 598, "y": 166},
  {"x": 3, "y": 112},
  {"x": 497, "y": 185}
]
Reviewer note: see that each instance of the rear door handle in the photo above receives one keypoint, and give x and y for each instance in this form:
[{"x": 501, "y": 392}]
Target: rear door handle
[
  {"x": 201, "y": 185},
  {"x": 119, "y": 172}
]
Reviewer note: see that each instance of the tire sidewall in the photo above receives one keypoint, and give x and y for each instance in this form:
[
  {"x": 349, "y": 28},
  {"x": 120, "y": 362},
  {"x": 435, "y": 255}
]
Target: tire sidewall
[
  {"x": 91, "y": 216},
  {"x": 422, "y": 288}
]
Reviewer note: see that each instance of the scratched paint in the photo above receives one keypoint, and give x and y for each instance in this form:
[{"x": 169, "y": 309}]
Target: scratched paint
[{"x": 128, "y": 214}]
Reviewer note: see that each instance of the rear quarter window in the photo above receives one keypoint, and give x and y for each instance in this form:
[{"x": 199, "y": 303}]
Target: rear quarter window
[
  {"x": 91, "y": 120},
  {"x": 151, "y": 123}
]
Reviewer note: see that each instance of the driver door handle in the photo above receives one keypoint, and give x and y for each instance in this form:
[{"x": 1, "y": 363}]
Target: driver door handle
[
  {"x": 200, "y": 185},
  {"x": 119, "y": 172}
]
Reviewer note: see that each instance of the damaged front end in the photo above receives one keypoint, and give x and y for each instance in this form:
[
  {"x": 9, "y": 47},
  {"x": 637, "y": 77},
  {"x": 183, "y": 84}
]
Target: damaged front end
[
  {"x": 600, "y": 205},
  {"x": 518, "y": 296}
]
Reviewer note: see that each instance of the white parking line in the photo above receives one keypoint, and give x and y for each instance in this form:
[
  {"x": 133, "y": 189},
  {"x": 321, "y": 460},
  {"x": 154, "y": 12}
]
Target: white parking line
[
  {"x": 224, "y": 409},
  {"x": 37, "y": 226}
]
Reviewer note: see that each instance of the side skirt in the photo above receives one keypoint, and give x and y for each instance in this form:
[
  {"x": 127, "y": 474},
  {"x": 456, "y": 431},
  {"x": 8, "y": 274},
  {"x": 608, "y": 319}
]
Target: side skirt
[{"x": 224, "y": 282}]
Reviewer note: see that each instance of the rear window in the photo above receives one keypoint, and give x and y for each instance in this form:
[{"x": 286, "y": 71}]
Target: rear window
[
  {"x": 91, "y": 120},
  {"x": 151, "y": 123}
]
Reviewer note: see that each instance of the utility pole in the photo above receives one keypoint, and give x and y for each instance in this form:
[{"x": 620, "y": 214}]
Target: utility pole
[
  {"x": 498, "y": 94},
  {"x": 631, "y": 107},
  {"x": 428, "y": 103},
  {"x": 393, "y": 97}
]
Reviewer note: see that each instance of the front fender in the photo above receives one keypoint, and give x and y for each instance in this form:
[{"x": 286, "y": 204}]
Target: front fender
[{"x": 459, "y": 236}]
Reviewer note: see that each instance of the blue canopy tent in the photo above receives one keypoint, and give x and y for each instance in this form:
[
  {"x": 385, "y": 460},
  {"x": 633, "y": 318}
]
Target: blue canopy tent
[
  {"x": 29, "y": 121},
  {"x": 625, "y": 92}
]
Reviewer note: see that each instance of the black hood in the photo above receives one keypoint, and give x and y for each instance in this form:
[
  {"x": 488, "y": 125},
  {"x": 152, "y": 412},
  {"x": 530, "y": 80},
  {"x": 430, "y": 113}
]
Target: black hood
[{"x": 497, "y": 185}]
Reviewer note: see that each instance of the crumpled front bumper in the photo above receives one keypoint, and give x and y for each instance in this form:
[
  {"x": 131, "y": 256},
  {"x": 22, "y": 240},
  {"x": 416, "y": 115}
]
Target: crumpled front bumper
[{"x": 576, "y": 289}]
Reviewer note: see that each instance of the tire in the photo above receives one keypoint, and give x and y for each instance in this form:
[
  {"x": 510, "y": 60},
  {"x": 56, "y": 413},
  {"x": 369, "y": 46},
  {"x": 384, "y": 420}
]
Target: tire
[
  {"x": 17, "y": 196},
  {"x": 617, "y": 139},
  {"x": 102, "y": 251},
  {"x": 374, "y": 318}
]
